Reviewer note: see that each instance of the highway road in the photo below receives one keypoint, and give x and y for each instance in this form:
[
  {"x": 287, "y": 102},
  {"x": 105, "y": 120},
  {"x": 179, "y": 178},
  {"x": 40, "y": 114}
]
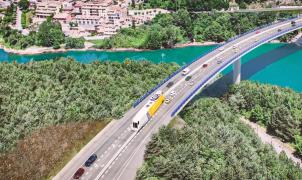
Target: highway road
[{"x": 120, "y": 151}]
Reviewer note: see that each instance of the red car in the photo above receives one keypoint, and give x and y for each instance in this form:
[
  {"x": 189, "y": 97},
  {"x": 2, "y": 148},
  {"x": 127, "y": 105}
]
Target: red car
[
  {"x": 205, "y": 65},
  {"x": 79, "y": 173},
  {"x": 257, "y": 32}
]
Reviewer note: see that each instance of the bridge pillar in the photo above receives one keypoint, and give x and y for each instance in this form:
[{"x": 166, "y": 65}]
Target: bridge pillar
[{"x": 237, "y": 71}]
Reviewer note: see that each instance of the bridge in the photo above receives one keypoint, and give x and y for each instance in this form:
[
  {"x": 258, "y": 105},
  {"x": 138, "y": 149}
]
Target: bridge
[{"x": 120, "y": 151}]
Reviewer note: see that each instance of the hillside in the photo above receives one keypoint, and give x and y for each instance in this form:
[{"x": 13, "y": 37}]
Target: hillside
[
  {"x": 50, "y": 109},
  {"x": 216, "y": 144}
]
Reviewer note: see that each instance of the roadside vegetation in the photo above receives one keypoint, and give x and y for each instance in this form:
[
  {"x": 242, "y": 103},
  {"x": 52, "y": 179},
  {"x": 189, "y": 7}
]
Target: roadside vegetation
[
  {"x": 166, "y": 30},
  {"x": 40, "y": 94},
  {"x": 278, "y": 109},
  {"x": 214, "y": 144}
]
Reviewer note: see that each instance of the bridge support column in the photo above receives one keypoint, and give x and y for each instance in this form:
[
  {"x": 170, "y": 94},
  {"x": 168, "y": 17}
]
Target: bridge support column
[{"x": 237, "y": 71}]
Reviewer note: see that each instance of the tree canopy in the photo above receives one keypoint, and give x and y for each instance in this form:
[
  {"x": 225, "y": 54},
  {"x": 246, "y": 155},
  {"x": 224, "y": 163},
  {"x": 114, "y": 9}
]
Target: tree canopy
[
  {"x": 50, "y": 34},
  {"x": 39, "y": 94},
  {"x": 214, "y": 144}
]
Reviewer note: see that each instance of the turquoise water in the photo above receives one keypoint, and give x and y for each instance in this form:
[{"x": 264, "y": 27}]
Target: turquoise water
[{"x": 279, "y": 64}]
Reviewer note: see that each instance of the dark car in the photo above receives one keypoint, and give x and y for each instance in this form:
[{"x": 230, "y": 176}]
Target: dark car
[
  {"x": 205, "y": 65},
  {"x": 279, "y": 30},
  {"x": 79, "y": 173},
  {"x": 293, "y": 23},
  {"x": 188, "y": 78},
  {"x": 170, "y": 84},
  {"x": 90, "y": 160}
]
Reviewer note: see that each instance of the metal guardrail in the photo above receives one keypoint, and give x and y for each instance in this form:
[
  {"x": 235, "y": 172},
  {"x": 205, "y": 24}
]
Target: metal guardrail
[
  {"x": 228, "y": 63},
  {"x": 137, "y": 102}
]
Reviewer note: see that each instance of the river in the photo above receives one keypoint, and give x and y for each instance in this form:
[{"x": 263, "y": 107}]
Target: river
[{"x": 278, "y": 64}]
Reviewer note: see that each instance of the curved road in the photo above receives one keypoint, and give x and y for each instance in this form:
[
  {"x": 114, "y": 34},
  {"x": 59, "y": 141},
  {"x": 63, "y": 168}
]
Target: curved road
[{"x": 120, "y": 151}]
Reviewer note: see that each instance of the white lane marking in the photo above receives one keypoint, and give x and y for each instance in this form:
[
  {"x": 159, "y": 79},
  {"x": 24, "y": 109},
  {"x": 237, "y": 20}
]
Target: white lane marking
[
  {"x": 115, "y": 155},
  {"x": 132, "y": 155}
]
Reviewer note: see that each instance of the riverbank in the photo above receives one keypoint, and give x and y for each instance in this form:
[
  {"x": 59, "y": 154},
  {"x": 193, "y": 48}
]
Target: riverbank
[{"x": 34, "y": 50}]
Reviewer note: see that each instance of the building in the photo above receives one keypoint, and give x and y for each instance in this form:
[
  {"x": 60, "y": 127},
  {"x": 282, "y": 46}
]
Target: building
[
  {"x": 95, "y": 8},
  {"x": 142, "y": 16},
  {"x": 63, "y": 18},
  {"x": 48, "y": 8},
  {"x": 4, "y": 4}
]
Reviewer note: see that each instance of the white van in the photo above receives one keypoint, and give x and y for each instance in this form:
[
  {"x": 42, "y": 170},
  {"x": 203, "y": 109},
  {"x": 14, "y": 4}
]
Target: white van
[{"x": 185, "y": 71}]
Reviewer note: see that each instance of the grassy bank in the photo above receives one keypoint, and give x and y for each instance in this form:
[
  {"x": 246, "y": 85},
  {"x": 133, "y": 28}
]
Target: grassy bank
[{"x": 45, "y": 152}]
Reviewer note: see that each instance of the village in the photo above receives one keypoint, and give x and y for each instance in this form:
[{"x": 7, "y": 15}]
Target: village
[{"x": 94, "y": 19}]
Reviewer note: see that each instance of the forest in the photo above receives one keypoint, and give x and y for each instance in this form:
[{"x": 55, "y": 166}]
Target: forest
[
  {"x": 278, "y": 109},
  {"x": 166, "y": 30},
  {"x": 195, "y": 5},
  {"x": 40, "y": 94},
  {"x": 214, "y": 144}
]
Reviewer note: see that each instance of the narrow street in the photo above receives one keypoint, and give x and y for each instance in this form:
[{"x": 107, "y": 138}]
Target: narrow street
[
  {"x": 18, "y": 19},
  {"x": 276, "y": 143}
]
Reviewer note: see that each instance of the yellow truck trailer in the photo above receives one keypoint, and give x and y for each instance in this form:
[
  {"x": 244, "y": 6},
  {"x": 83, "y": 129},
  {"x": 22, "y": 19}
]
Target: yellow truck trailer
[{"x": 152, "y": 110}]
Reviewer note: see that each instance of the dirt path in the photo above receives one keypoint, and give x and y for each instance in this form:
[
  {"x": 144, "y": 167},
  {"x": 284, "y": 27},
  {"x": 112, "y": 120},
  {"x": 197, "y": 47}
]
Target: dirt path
[{"x": 278, "y": 145}]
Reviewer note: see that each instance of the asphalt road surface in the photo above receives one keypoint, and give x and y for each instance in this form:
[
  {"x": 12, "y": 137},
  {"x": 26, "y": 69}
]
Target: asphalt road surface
[{"x": 120, "y": 150}]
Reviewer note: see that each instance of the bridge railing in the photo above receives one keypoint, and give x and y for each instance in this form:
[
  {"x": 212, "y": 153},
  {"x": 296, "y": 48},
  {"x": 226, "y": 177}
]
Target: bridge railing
[
  {"x": 137, "y": 102},
  {"x": 227, "y": 64}
]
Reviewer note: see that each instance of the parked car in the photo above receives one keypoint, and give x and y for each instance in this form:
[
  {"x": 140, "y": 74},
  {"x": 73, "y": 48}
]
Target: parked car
[
  {"x": 219, "y": 61},
  {"x": 293, "y": 23},
  {"x": 279, "y": 30},
  {"x": 221, "y": 49},
  {"x": 79, "y": 173},
  {"x": 257, "y": 32},
  {"x": 90, "y": 160},
  {"x": 205, "y": 65}
]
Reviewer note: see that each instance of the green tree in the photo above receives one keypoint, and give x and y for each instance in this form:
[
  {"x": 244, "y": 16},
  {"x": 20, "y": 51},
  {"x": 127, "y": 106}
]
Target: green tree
[
  {"x": 183, "y": 20},
  {"x": 283, "y": 124},
  {"x": 77, "y": 43},
  {"x": 23, "y": 5},
  {"x": 50, "y": 34},
  {"x": 155, "y": 36},
  {"x": 171, "y": 35}
]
